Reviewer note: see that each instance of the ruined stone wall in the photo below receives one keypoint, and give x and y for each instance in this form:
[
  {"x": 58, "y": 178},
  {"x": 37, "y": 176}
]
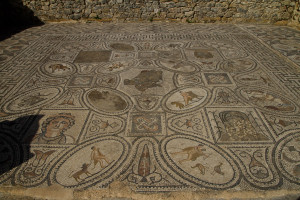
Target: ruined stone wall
[
  {"x": 296, "y": 13},
  {"x": 182, "y": 10}
]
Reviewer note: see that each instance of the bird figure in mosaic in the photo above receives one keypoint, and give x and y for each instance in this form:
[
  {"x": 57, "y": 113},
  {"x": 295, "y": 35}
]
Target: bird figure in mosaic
[
  {"x": 217, "y": 169},
  {"x": 200, "y": 167}
]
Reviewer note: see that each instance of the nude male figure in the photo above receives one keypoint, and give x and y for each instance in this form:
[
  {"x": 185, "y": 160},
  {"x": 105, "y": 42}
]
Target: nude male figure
[
  {"x": 98, "y": 157},
  {"x": 192, "y": 153}
]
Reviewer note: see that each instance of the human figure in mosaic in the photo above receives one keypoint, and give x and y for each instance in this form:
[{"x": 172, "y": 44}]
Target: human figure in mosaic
[
  {"x": 269, "y": 101},
  {"x": 98, "y": 157},
  {"x": 192, "y": 153},
  {"x": 239, "y": 127},
  {"x": 53, "y": 129}
]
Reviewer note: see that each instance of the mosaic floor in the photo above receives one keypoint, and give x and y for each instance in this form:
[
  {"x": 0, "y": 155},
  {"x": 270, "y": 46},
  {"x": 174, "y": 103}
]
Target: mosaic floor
[{"x": 159, "y": 107}]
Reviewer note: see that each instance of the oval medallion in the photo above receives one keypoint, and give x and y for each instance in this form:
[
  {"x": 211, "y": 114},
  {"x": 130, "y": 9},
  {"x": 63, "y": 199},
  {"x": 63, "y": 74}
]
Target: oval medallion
[
  {"x": 238, "y": 65},
  {"x": 108, "y": 101},
  {"x": 177, "y": 65},
  {"x": 185, "y": 99},
  {"x": 58, "y": 69},
  {"x": 98, "y": 160},
  {"x": 268, "y": 100},
  {"x": 200, "y": 162},
  {"x": 32, "y": 99},
  {"x": 117, "y": 66}
]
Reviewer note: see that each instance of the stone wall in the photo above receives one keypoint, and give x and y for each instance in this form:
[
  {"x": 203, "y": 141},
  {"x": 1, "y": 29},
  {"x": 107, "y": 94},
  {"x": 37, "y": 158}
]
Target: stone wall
[
  {"x": 296, "y": 13},
  {"x": 182, "y": 10}
]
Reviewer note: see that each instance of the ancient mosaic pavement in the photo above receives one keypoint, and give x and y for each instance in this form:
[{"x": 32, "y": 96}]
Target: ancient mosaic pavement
[{"x": 160, "y": 107}]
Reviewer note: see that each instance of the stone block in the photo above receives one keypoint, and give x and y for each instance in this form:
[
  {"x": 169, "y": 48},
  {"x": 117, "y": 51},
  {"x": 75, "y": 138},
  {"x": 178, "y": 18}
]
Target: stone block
[
  {"x": 242, "y": 10},
  {"x": 163, "y": 15},
  {"x": 77, "y": 10},
  {"x": 173, "y": 10},
  {"x": 76, "y": 16},
  {"x": 184, "y": 9},
  {"x": 171, "y": 15},
  {"x": 181, "y": 4},
  {"x": 170, "y": 4},
  {"x": 276, "y": 4},
  {"x": 189, "y": 14},
  {"x": 290, "y": 9},
  {"x": 286, "y": 2},
  {"x": 45, "y": 8},
  {"x": 88, "y": 11},
  {"x": 285, "y": 16},
  {"x": 68, "y": 11},
  {"x": 179, "y": 15},
  {"x": 211, "y": 4},
  {"x": 197, "y": 8},
  {"x": 53, "y": 7}
]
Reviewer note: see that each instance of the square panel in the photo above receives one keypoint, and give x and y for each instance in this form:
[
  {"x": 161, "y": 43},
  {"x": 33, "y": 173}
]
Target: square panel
[
  {"x": 147, "y": 55},
  {"x": 237, "y": 125},
  {"x": 58, "y": 127},
  {"x": 80, "y": 81},
  {"x": 123, "y": 55},
  {"x": 218, "y": 79},
  {"x": 93, "y": 56},
  {"x": 146, "y": 124}
]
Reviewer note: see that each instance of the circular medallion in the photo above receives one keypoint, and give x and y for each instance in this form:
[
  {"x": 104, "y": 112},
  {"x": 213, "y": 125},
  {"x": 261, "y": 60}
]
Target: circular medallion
[
  {"x": 185, "y": 99},
  {"x": 32, "y": 99},
  {"x": 108, "y": 101},
  {"x": 58, "y": 69}
]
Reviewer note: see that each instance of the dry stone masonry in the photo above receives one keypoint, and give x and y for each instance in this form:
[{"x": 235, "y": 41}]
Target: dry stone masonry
[{"x": 270, "y": 11}]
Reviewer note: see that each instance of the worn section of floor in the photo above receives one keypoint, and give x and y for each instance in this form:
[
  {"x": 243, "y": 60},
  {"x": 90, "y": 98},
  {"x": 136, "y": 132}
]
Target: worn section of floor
[{"x": 158, "y": 107}]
